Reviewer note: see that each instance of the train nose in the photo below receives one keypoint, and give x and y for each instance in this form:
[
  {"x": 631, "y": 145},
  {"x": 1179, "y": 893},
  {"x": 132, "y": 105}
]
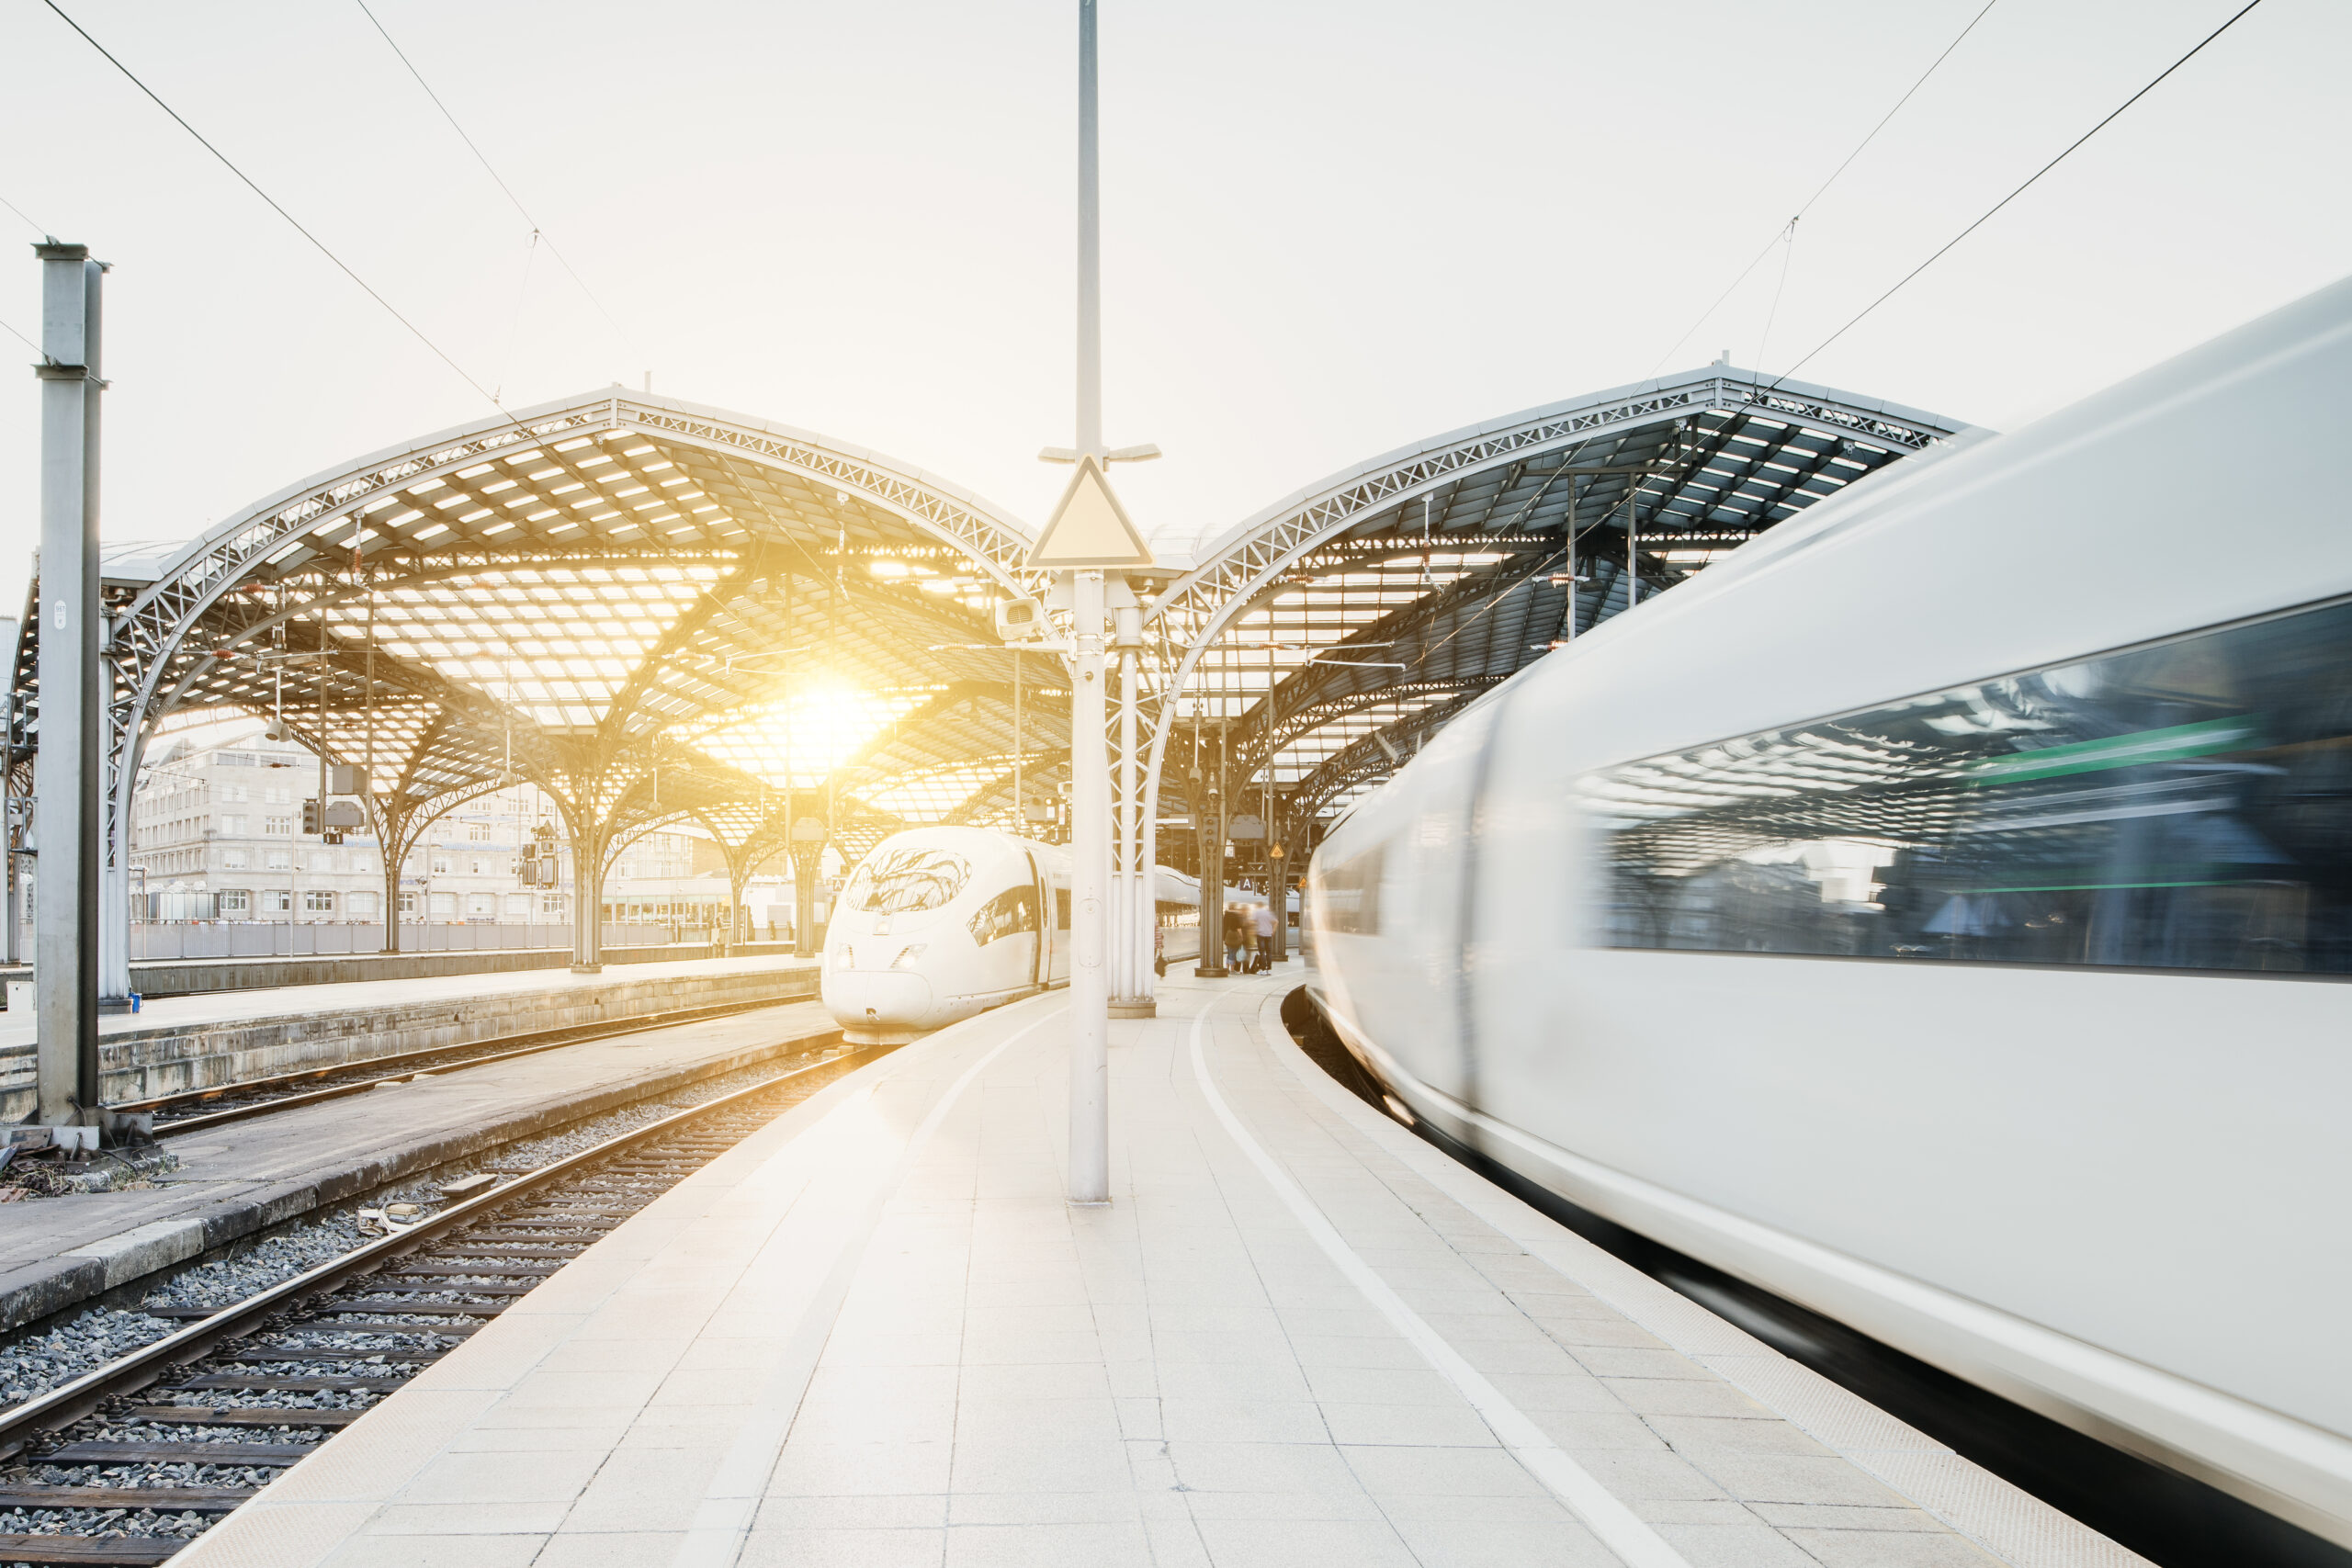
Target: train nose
[{"x": 877, "y": 999}]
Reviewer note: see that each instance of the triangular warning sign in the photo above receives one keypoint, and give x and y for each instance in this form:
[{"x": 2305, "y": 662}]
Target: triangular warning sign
[{"x": 1090, "y": 527}]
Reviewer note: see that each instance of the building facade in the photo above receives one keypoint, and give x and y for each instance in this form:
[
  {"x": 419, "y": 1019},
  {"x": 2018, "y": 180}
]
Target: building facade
[{"x": 216, "y": 835}]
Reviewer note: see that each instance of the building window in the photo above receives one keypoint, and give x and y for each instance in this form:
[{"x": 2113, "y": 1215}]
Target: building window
[
  {"x": 361, "y": 906},
  {"x": 277, "y": 860},
  {"x": 408, "y": 906},
  {"x": 444, "y": 906},
  {"x": 235, "y": 901},
  {"x": 323, "y": 862},
  {"x": 275, "y": 901},
  {"x": 478, "y": 832},
  {"x": 474, "y": 864},
  {"x": 277, "y": 795},
  {"x": 231, "y": 793},
  {"x": 319, "y": 902},
  {"x": 233, "y": 860},
  {"x": 479, "y": 905},
  {"x": 519, "y": 906},
  {"x": 233, "y": 824},
  {"x": 440, "y": 865},
  {"x": 278, "y": 827},
  {"x": 236, "y": 759}
]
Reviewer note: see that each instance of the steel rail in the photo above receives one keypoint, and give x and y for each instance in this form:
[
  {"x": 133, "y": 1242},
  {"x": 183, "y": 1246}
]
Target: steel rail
[{"x": 128, "y": 1373}]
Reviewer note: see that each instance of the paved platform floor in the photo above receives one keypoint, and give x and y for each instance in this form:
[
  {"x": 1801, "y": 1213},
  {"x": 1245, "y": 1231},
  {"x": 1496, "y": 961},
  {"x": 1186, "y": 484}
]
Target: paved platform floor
[
  {"x": 206, "y": 1009},
  {"x": 241, "y": 1177},
  {"x": 876, "y": 1333}
]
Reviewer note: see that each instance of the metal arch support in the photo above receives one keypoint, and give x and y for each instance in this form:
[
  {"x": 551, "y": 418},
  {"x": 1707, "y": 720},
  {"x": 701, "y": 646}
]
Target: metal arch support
[
  {"x": 993, "y": 543},
  {"x": 1372, "y": 755},
  {"x": 1248, "y": 560},
  {"x": 1259, "y": 750},
  {"x": 147, "y": 635},
  {"x": 1245, "y": 558},
  {"x": 144, "y": 637}
]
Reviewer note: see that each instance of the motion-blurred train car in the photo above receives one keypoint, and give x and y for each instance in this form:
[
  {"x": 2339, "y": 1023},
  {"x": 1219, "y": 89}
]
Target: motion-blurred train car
[{"x": 1940, "y": 913}]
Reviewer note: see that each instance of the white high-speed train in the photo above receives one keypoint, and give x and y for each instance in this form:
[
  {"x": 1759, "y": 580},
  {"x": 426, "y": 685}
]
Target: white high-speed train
[
  {"x": 1940, "y": 914},
  {"x": 939, "y": 923}
]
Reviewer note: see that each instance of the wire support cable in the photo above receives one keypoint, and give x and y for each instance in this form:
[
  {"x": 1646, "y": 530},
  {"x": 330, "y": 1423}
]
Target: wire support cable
[
  {"x": 45, "y": 234},
  {"x": 321, "y": 245},
  {"x": 1787, "y": 231},
  {"x": 2113, "y": 116},
  {"x": 27, "y": 217},
  {"x": 539, "y": 233}
]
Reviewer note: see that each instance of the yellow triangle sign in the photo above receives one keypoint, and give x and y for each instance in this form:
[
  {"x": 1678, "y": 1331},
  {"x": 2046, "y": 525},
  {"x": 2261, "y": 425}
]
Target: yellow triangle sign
[{"x": 1090, "y": 527}]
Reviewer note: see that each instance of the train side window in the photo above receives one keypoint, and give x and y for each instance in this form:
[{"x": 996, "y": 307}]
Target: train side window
[
  {"x": 2186, "y": 805},
  {"x": 1351, "y": 893},
  {"x": 1061, "y": 909},
  {"x": 1010, "y": 912}
]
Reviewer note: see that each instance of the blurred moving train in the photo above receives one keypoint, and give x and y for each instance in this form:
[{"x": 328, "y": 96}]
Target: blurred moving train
[
  {"x": 939, "y": 923},
  {"x": 1939, "y": 914}
]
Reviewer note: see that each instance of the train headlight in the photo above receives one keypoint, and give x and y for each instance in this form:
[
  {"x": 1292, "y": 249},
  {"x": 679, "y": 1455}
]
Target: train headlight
[
  {"x": 907, "y": 955},
  {"x": 845, "y": 958}
]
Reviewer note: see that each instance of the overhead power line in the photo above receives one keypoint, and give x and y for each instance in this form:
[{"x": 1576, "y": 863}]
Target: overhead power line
[
  {"x": 1787, "y": 231},
  {"x": 20, "y": 212},
  {"x": 2111, "y": 117},
  {"x": 321, "y": 245},
  {"x": 488, "y": 167}
]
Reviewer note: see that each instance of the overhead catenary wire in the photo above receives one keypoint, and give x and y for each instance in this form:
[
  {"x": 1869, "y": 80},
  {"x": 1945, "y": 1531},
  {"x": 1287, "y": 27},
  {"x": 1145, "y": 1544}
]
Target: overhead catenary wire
[
  {"x": 321, "y": 245},
  {"x": 44, "y": 233},
  {"x": 21, "y": 213},
  {"x": 538, "y": 231},
  {"x": 1788, "y": 229},
  {"x": 2110, "y": 117},
  {"x": 26, "y": 341}
]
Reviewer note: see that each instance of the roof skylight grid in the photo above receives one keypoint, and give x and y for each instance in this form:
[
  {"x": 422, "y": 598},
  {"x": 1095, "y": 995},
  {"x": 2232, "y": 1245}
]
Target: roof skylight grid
[{"x": 676, "y": 588}]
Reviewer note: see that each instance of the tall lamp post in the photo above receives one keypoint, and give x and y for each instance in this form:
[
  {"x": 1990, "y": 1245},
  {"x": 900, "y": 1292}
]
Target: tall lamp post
[{"x": 1087, "y": 544}]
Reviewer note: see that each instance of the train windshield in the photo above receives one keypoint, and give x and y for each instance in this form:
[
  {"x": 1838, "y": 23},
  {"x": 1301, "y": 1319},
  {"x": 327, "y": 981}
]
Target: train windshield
[{"x": 906, "y": 881}]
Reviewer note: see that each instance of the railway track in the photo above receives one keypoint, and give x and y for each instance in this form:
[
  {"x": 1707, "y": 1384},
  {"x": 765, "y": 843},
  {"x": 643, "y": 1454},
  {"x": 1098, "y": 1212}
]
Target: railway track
[
  {"x": 129, "y": 1462},
  {"x": 194, "y": 1110}
]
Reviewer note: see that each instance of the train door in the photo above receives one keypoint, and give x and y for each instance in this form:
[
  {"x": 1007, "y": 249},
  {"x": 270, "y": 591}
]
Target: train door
[{"x": 1042, "y": 964}]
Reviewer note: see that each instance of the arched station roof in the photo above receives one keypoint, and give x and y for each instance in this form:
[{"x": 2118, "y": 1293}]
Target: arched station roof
[
  {"x": 647, "y": 604},
  {"x": 660, "y": 611},
  {"x": 1330, "y": 631}
]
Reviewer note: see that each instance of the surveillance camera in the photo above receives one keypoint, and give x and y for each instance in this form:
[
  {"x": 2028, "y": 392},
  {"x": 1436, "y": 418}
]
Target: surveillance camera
[{"x": 1020, "y": 620}]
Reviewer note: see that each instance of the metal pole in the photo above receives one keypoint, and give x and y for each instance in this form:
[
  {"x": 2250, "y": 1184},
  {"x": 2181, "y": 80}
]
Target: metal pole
[
  {"x": 1090, "y": 244},
  {"x": 114, "y": 871},
  {"x": 1632, "y": 528},
  {"x": 70, "y": 770},
  {"x": 1020, "y": 801},
  {"x": 1568, "y": 534},
  {"x": 12, "y": 938},
  {"x": 1136, "y": 905},
  {"x": 1089, "y": 1027}
]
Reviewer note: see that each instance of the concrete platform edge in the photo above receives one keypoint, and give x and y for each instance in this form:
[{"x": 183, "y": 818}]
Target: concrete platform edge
[
  {"x": 36, "y": 1290},
  {"x": 2011, "y": 1524}
]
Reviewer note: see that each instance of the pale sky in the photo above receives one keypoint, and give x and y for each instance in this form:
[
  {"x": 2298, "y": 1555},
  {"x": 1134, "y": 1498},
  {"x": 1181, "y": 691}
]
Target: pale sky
[{"x": 1329, "y": 230}]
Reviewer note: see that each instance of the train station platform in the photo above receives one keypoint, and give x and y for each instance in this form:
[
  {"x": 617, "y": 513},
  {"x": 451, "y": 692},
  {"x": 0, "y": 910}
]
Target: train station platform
[
  {"x": 177, "y": 1044},
  {"x": 875, "y": 1333},
  {"x": 243, "y": 1177},
  {"x": 154, "y": 978}
]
